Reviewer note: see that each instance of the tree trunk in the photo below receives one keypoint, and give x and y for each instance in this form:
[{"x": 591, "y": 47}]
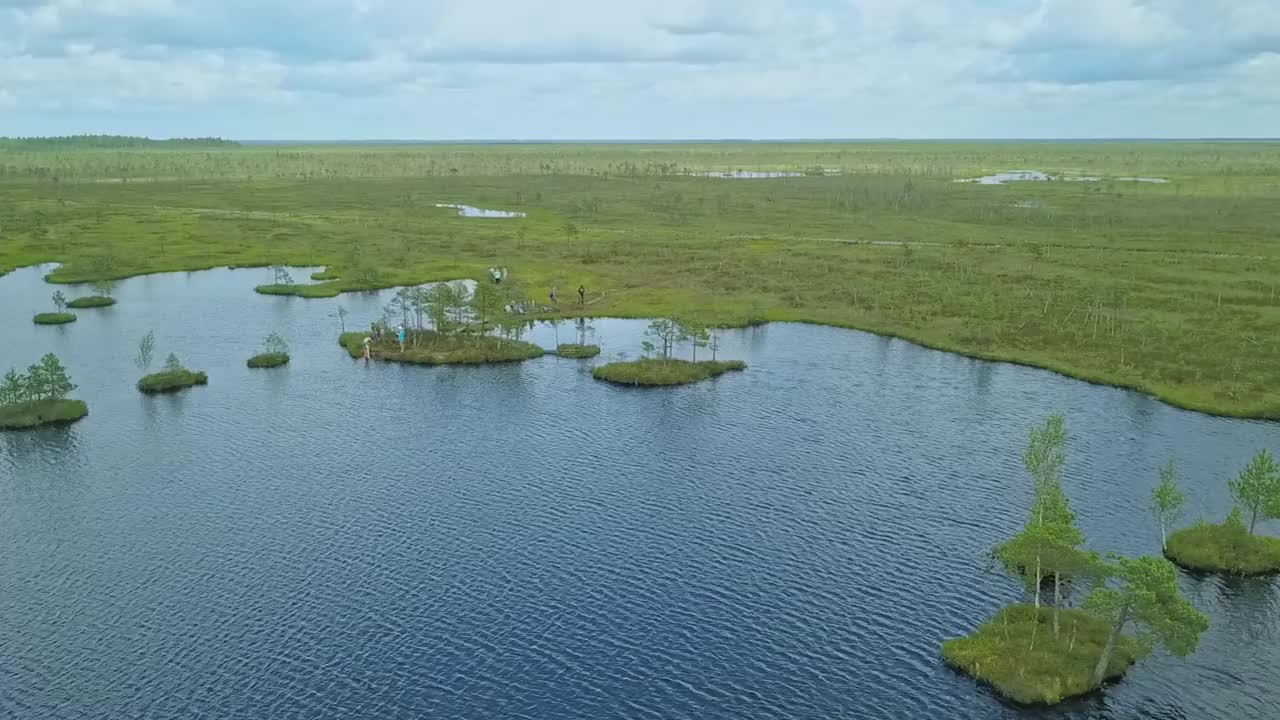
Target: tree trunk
[
  {"x": 1100, "y": 670},
  {"x": 1253, "y": 520},
  {"x": 1164, "y": 538},
  {"x": 1057, "y": 600},
  {"x": 1038, "y": 578}
]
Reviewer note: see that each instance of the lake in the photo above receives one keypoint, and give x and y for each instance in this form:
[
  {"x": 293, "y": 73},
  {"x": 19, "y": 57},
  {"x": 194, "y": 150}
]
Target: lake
[{"x": 332, "y": 539}]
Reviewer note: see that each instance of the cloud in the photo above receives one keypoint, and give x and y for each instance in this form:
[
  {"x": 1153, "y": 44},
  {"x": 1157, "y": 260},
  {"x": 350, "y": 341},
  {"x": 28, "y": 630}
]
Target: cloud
[{"x": 661, "y": 68}]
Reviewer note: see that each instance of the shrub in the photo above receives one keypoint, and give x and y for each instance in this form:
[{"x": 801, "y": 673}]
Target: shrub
[
  {"x": 268, "y": 360},
  {"x": 1226, "y": 548},
  {"x": 171, "y": 381}
]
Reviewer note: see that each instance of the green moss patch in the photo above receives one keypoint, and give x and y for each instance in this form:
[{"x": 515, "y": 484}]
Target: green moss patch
[
  {"x": 324, "y": 275},
  {"x": 1224, "y": 548},
  {"x": 268, "y": 360},
  {"x": 171, "y": 381},
  {"x": 38, "y": 413},
  {"x": 654, "y": 373},
  {"x": 999, "y": 654},
  {"x": 578, "y": 351},
  {"x": 54, "y": 318},
  {"x": 91, "y": 301}
]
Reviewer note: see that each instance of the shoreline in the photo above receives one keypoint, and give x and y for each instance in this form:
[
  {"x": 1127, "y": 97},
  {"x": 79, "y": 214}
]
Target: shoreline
[{"x": 1063, "y": 369}]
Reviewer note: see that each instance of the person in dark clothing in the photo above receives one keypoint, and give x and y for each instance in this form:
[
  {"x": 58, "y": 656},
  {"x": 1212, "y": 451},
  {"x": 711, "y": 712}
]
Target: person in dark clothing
[{"x": 582, "y": 294}]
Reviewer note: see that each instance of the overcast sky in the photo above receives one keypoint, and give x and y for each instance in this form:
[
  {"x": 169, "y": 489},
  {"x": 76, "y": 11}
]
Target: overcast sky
[{"x": 491, "y": 69}]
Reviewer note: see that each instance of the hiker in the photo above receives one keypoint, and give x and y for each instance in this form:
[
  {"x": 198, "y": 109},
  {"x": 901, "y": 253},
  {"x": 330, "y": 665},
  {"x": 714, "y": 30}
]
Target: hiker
[
  {"x": 553, "y": 295},
  {"x": 400, "y": 337},
  {"x": 582, "y": 294},
  {"x": 497, "y": 276},
  {"x": 367, "y": 354}
]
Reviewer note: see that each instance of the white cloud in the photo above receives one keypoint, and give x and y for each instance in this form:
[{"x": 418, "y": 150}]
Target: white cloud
[{"x": 857, "y": 67}]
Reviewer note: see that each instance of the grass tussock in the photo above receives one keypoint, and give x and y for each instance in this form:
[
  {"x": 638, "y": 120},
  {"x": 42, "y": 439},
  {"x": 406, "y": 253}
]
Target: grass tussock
[
  {"x": 434, "y": 349},
  {"x": 54, "y": 318},
  {"x": 656, "y": 372},
  {"x": 91, "y": 301},
  {"x": 268, "y": 360},
  {"x": 38, "y": 413},
  {"x": 1226, "y": 548},
  {"x": 171, "y": 381},
  {"x": 998, "y": 653},
  {"x": 575, "y": 351}
]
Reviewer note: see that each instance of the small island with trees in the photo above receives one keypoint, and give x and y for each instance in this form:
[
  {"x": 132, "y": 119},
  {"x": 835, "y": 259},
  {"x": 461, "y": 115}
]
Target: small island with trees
[
  {"x": 172, "y": 378},
  {"x": 1233, "y": 547},
  {"x": 61, "y": 317},
  {"x": 1037, "y": 655},
  {"x": 101, "y": 298},
  {"x": 659, "y": 369},
  {"x": 275, "y": 353},
  {"x": 39, "y": 397},
  {"x": 576, "y": 351},
  {"x": 448, "y": 324}
]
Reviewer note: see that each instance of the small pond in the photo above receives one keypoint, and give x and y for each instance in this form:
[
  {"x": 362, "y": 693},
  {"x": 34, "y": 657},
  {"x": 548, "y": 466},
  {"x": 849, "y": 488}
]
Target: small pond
[
  {"x": 475, "y": 212},
  {"x": 340, "y": 540},
  {"x": 1037, "y": 176}
]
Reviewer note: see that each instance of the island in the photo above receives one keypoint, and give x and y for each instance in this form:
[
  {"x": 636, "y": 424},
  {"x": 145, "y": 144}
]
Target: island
[
  {"x": 1232, "y": 547},
  {"x": 38, "y": 397},
  {"x": 275, "y": 353},
  {"x": 660, "y": 372},
  {"x": 91, "y": 301},
  {"x": 577, "y": 352},
  {"x": 999, "y": 654},
  {"x": 54, "y": 318},
  {"x": 172, "y": 378},
  {"x": 427, "y": 347}
]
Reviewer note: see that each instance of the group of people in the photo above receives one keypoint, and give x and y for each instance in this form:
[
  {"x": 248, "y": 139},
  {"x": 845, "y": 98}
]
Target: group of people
[
  {"x": 582, "y": 295},
  {"x": 498, "y": 274}
]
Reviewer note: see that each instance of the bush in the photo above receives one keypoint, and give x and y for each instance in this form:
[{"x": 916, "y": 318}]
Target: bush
[
  {"x": 578, "y": 351},
  {"x": 171, "y": 381},
  {"x": 655, "y": 372},
  {"x": 91, "y": 301},
  {"x": 1226, "y": 548},
  {"x": 268, "y": 360},
  {"x": 23, "y": 416},
  {"x": 998, "y": 653},
  {"x": 58, "y": 318}
]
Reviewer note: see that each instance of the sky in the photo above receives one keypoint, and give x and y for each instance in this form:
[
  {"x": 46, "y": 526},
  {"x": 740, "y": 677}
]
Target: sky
[{"x": 640, "y": 69}]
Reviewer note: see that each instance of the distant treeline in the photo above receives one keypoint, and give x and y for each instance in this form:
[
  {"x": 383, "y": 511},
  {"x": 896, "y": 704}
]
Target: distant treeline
[{"x": 107, "y": 142}]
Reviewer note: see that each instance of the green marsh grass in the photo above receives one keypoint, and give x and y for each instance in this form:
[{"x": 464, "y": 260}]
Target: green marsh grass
[
  {"x": 38, "y": 413},
  {"x": 1171, "y": 289},
  {"x": 655, "y": 372}
]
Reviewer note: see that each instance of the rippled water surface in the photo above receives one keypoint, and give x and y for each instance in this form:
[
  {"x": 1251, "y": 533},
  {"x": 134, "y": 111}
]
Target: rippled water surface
[
  {"x": 335, "y": 540},
  {"x": 1002, "y": 178},
  {"x": 475, "y": 212}
]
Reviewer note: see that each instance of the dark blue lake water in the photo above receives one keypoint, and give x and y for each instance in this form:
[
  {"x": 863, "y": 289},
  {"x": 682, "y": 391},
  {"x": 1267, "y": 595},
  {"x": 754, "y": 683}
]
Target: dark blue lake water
[{"x": 335, "y": 540}]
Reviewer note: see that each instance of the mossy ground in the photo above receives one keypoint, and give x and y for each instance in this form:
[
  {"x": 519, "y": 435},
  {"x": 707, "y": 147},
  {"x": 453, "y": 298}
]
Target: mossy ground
[
  {"x": 54, "y": 318},
  {"x": 91, "y": 301},
  {"x": 435, "y": 349},
  {"x": 998, "y": 653},
  {"x": 1224, "y": 548},
  {"x": 25, "y": 416},
  {"x": 268, "y": 360},
  {"x": 654, "y": 372},
  {"x": 163, "y": 382},
  {"x": 578, "y": 351},
  {"x": 1171, "y": 289}
]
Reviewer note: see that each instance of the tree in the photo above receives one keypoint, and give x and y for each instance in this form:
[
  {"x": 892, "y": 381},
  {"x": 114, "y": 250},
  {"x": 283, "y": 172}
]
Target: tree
[
  {"x": 172, "y": 364},
  {"x": 146, "y": 351},
  {"x": 38, "y": 382},
  {"x": 486, "y": 304},
  {"x": 104, "y": 287},
  {"x": 663, "y": 334},
  {"x": 693, "y": 332},
  {"x": 1144, "y": 592},
  {"x": 713, "y": 342},
  {"x": 282, "y": 276},
  {"x": 13, "y": 388},
  {"x": 59, "y": 300},
  {"x": 440, "y": 302},
  {"x": 275, "y": 345},
  {"x": 57, "y": 384},
  {"x": 1257, "y": 490},
  {"x": 1050, "y": 542},
  {"x": 1167, "y": 501},
  {"x": 342, "y": 314}
]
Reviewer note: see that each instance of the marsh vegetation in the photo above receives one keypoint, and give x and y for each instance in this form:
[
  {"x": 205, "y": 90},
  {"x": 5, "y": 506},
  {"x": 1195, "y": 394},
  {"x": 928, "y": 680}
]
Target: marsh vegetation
[{"x": 38, "y": 396}]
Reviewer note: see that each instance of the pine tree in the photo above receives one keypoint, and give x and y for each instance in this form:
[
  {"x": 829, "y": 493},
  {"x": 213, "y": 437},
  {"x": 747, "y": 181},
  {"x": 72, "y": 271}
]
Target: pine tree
[{"x": 57, "y": 383}]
